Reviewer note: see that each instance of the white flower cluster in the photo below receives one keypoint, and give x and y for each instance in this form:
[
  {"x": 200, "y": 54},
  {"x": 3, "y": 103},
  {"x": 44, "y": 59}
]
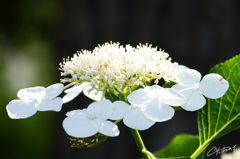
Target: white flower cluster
[
  {"x": 112, "y": 65},
  {"x": 118, "y": 67}
]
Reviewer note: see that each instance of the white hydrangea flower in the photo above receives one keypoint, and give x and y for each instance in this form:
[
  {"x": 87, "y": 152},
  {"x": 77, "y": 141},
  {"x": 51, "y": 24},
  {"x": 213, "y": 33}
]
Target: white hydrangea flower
[
  {"x": 188, "y": 83},
  {"x": 233, "y": 155},
  {"x": 35, "y": 99},
  {"x": 118, "y": 67},
  {"x": 88, "y": 122},
  {"x": 148, "y": 105}
]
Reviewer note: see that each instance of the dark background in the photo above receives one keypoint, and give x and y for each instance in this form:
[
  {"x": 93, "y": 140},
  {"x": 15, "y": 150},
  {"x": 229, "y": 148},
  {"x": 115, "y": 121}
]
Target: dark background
[{"x": 35, "y": 35}]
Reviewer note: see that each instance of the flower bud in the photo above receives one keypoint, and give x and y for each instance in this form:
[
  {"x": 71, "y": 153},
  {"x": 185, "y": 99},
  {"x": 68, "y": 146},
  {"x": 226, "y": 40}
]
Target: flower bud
[{"x": 92, "y": 141}]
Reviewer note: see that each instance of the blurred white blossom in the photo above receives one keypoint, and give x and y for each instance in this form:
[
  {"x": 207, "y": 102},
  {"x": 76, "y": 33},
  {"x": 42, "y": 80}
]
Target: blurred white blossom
[{"x": 234, "y": 155}]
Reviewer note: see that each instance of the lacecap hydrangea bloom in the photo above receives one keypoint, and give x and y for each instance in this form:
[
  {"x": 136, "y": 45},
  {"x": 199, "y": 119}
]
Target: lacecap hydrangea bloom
[
  {"x": 120, "y": 68},
  {"x": 118, "y": 79}
]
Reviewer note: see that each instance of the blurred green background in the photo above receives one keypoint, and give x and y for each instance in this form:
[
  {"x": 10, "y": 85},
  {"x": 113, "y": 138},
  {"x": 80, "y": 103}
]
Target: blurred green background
[
  {"x": 27, "y": 59},
  {"x": 36, "y": 34}
]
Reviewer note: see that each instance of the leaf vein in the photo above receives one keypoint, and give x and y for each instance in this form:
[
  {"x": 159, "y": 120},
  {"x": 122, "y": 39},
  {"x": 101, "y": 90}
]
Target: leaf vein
[{"x": 233, "y": 103}]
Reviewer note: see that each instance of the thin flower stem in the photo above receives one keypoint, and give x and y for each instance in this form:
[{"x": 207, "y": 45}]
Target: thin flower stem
[
  {"x": 103, "y": 95},
  {"x": 145, "y": 153},
  {"x": 118, "y": 121},
  {"x": 70, "y": 84},
  {"x": 127, "y": 92},
  {"x": 149, "y": 153}
]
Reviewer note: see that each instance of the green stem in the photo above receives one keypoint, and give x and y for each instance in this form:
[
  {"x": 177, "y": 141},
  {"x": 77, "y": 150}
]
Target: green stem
[
  {"x": 118, "y": 121},
  {"x": 199, "y": 150},
  {"x": 103, "y": 95},
  {"x": 127, "y": 92},
  {"x": 70, "y": 84},
  {"x": 145, "y": 153}
]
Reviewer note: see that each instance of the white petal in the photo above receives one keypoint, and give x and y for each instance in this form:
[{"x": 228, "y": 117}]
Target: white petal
[
  {"x": 31, "y": 93},
  {"x": 153, "y": 90},
  {"x": 188, "y": 77},
  {"x": 108, "y": 128},
  {"x": 102, "y": 109},
  {"x": 93, "y": 94},
  {"x": 213, "y": 86},
  {"x": 77, "y": 113},
  {"x": 179, "y": 87},
  {"x": 194, "y": 100},
  {"x": 79, "y": 127},
  {"x": 171, "y": 97},
  {"x": 184, "y": 90},
  {"x": 77, "y": 87},
  {"x": 165, "y": 95},
  {"x": 53, "y": 90},
  {"x": 135, "y": 119},
  {"x": 19, "y": 109},
  {"x": 157, "y": 111},
  {"x": 54, "y": 104},
  {"x": 120, "y": 109},
  {"x": 73, "y": 92},
  {"x": 139, "y": 96},
  {"x": 181, "y": 67}
]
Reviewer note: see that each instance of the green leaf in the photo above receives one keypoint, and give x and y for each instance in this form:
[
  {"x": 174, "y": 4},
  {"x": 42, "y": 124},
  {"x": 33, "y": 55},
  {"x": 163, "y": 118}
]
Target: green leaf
[
  {"x": 177, "y": 108},
  {"x": 221, "y": 116},
  {"x": 181, "y": 145},
  {"x": 169, "y": 84},
  {"x": 175, "y": 158},
  {"x": 111, "y": 96}
]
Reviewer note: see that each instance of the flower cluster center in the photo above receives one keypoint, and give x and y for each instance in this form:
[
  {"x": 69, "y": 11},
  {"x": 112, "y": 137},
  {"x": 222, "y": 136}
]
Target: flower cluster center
[{"x": 113, "y": 65}]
